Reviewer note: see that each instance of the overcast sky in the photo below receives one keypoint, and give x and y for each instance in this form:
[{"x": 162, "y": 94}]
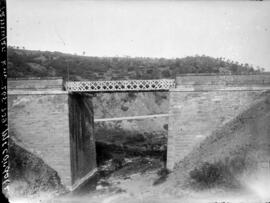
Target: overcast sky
[{"x": 238, "y": 31}]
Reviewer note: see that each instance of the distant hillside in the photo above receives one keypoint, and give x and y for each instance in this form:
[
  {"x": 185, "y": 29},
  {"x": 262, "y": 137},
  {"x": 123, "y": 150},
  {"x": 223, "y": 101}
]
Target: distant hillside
[{"x": 26, "y": 63}]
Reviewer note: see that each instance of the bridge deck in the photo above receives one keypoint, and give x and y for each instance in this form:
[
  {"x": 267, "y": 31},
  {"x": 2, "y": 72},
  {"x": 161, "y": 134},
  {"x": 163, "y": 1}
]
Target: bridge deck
[{"x": 120, "y": 85}]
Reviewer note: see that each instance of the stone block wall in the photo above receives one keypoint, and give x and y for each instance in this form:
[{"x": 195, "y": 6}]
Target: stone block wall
[
  {"x": 40, "y": 124},
  {"x": 35, "y": 84},
  {"x": 200, "y": 104}
]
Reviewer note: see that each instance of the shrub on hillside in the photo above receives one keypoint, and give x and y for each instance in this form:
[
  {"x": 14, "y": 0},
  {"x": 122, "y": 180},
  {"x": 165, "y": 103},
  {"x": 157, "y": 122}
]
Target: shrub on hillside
[
  {"x": 207, "y": 174},
  {"x": 219, "y": 173}
]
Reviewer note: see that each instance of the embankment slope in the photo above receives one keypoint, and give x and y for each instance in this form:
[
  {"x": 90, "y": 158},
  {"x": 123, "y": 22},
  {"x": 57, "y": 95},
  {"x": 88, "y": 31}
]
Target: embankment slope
[
  {"x": 242, "y": 143},
  {"x": 30, "y": 175}
]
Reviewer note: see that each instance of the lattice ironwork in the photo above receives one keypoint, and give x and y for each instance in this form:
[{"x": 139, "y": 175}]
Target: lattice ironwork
[{"x": 119, "y": 85}]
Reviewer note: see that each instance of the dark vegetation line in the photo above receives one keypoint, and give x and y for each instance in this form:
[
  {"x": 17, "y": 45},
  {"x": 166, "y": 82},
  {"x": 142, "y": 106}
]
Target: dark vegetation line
[{"x": 26, "y": 63}]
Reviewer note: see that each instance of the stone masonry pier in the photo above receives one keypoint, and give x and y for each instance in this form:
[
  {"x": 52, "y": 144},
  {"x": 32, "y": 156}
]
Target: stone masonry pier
[{"x": 54, "y": 126}]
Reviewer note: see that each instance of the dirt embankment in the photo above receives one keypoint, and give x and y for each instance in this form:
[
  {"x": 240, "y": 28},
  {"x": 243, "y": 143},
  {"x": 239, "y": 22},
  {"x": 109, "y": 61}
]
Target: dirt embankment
[
  {"x": 241, "y": 146},
  {"x": 29, "y": 175}
]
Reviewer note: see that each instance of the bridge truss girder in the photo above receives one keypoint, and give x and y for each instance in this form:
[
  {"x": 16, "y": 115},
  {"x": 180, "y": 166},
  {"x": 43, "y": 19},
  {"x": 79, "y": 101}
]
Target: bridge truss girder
[{"x": 120, "y": 85}]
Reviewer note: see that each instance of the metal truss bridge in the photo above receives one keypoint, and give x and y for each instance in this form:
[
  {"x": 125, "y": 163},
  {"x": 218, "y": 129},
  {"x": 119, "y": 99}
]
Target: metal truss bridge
[{"x": 120, "y": 85}]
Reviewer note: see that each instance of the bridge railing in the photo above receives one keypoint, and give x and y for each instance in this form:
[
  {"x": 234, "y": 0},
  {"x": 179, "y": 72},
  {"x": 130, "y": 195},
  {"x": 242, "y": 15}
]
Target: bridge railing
[{"x": 120, "y": 85}]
